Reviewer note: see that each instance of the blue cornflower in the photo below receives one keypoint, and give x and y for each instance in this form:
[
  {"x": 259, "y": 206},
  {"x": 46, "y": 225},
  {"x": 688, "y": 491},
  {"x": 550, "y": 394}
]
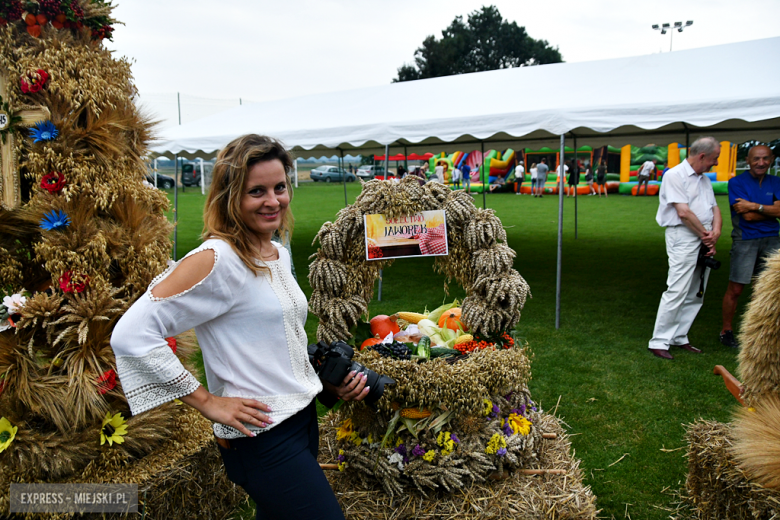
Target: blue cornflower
[
  {"x": 43, "y": 131},
  {"x": 55, "y": 219}
]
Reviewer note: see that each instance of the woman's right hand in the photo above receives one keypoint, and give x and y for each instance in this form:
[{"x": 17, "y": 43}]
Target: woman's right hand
[{"x": 230, "y": 411}]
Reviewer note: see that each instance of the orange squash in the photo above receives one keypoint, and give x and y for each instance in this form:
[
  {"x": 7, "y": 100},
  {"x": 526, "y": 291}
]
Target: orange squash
[
  {"x": 451, "y": 320},
  {"x": 370, "y": 341},
  {"x": 382, "y": 325}
]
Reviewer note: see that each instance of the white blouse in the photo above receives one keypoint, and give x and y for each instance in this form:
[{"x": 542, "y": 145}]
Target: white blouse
[{"x": 250, "y": 330}]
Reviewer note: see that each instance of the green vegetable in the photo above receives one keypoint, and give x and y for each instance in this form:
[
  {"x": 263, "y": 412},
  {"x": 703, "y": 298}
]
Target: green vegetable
[
  {"x": 443, "y": 352},
  {"x": 424, "y": 347}
]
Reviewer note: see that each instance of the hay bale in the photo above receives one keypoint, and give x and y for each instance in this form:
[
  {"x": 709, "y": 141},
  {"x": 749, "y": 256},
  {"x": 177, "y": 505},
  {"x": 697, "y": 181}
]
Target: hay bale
[
  {"x": 518, "y": 496},
  {"x": 183, "y": 478},
  {"x": 717, "y": 488}
]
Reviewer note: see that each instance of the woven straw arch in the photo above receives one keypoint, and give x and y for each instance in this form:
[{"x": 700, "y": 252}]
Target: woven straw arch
[{"x": 479, "y": 259}]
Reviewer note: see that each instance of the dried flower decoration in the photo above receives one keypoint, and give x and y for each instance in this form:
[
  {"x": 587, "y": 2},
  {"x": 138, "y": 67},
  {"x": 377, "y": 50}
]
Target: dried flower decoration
[
  {"x": 107, "y": 381},
  {"x": 7, "y": 433},
  {"x": 55, "y": 219},
  {"x": 53, "y": 182},
  {"x": 43, "y": 131},
  {"x": 71, "y": 282},
  {"x": 113, "y": 429},
  {"x": 33, "y": 81}
]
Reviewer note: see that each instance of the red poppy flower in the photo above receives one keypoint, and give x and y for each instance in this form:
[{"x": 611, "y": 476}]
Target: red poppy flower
[
  {"x": 71, "y": 282},
  {"x": 107, "y": 381},
  {"x": 53, "y": 182},
  {"x": 172, "y": 344},
  {"x": 33, "y": 81}
]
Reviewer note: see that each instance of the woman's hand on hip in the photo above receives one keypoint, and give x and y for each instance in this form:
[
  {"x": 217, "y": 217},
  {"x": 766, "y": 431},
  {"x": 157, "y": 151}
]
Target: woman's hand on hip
[
  {"x": 353, "y": 388},
  {"x": 230, "y": 411}
]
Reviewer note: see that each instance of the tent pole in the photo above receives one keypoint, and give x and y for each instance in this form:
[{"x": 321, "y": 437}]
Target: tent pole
[
  {"x": 175, "y": 207},
  {"x": 341, "y": 168},
  {"x": 575, "y": 187},
  {"x": 202, "y": 179},
  {"x": 406, "y": 161},
  {"x": 155, "y": 173},
  {"x": 560, "y": 240},
  {"x": 295, "y": 171},
  {"x": 482, "y": 174}
]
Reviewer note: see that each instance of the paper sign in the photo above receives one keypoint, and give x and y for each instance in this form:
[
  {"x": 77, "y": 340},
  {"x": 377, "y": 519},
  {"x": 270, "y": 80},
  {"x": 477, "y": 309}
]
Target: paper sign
[{"x": 421, "y": 234}]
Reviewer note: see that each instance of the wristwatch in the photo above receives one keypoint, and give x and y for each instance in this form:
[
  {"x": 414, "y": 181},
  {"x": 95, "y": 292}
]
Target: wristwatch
[{"x": 760, "y": 208}]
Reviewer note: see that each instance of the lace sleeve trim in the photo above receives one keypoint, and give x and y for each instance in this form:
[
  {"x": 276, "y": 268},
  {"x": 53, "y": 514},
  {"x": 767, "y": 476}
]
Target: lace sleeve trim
[
  {"x": 154, "y": 379},
  {"x": 160, "y": 277}
]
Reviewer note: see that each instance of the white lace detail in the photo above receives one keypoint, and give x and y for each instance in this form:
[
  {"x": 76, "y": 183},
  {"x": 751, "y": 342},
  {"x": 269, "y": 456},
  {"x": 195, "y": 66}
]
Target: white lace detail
[
  {"x": 162, "y": 276},
  {"x": 154, "y": 379},
  {"x": 282, "y": 407},
  {"x": 293, "y": 302}
]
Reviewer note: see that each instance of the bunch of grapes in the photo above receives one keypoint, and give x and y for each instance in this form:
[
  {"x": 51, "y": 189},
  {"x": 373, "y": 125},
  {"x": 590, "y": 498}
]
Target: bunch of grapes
[{"x": 395, "y": 350}]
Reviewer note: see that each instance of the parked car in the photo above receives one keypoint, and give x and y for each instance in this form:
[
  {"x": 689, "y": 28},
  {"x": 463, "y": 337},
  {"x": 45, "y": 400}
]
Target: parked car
[
  {"x": 163, "y": 181},
  {"x": 331, "y": 174},
  {"x": 369, "y": 171},
  {"x": 190, "y": 175}
]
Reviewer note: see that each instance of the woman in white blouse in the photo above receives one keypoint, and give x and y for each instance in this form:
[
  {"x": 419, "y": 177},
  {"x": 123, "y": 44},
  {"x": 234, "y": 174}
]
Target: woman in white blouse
[{"x": 248, "y": 312}]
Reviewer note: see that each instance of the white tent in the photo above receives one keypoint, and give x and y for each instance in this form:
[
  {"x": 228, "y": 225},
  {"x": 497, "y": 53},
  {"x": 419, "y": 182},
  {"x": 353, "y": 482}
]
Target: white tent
[{"x": 728, "y": 91}]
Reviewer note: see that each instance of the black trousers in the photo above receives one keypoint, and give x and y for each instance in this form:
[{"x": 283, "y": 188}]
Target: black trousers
[{"x": 279, "y": 470}]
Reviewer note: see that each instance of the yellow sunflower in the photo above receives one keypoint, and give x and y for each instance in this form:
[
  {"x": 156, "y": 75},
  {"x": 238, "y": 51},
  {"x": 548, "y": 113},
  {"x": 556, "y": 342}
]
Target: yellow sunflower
[
  {"x": 7, "y": 433},
  {"x": 345, "y": 430},
  {"x": 113, "y": 429}
]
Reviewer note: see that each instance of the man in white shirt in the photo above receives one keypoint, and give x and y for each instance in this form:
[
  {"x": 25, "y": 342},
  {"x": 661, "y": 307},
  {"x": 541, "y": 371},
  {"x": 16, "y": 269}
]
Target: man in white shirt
[
  {"x": 456, "y": 175},
  {"x": 643, "y": 175},
  {"x": 519, "y": 177},
  {"x": 688, "y": 211}
]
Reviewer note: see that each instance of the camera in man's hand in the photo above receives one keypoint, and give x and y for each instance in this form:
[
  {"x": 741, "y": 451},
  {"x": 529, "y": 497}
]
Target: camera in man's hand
[
  {"x": 707, "y": 261},
  {"x": 333, "y": 362}
]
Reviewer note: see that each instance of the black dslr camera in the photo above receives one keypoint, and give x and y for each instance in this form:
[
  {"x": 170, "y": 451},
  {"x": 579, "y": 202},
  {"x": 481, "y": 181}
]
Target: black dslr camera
[
  {"x": 333, "y": 362},
  {"x": 706, "y": 261}
]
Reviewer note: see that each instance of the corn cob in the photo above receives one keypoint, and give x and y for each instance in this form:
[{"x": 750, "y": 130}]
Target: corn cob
[
  {"x": 465, "y": 338},
  {"x": 415, "y": 413},
  {"x": 411, "y": 317}
]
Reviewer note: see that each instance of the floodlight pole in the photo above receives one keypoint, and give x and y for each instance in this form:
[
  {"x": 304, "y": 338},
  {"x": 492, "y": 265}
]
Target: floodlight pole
[{"x": 560, "y": 239}]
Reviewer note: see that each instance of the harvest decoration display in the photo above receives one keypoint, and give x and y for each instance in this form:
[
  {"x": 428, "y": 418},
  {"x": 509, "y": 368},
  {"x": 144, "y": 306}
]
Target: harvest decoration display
[
  {"x": 456, "y": 418},
  {"x": 81, "y": 237},
  {"x": 734, "y": 468}
]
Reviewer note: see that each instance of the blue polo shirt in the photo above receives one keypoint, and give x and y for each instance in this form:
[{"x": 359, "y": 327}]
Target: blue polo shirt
[{"x": 744, "y": 186}]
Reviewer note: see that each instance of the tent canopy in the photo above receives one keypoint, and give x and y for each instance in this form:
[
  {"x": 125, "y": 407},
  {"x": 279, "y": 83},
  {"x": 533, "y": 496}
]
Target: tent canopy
[{"x": 728, "y": 91}]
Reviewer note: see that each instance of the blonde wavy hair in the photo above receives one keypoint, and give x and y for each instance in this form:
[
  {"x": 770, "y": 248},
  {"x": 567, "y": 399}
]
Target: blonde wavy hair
[{"x": 222, "y": 212}]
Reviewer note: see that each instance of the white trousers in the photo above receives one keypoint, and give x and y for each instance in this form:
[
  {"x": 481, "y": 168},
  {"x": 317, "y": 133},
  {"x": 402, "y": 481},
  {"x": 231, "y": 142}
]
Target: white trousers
[{"x": 679, "y": 303}]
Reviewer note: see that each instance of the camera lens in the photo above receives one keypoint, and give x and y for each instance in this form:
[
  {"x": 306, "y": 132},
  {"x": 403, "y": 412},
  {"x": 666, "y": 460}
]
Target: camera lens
[{"x": 375, "y": 381}]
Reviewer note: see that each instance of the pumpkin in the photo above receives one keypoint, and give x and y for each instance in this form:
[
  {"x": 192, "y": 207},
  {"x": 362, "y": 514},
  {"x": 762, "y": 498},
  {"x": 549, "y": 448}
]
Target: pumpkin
[
  {"x": 370, "y": 341},
  {"x": 451, "y": 320},
  {"x": 382, "y": 325}
]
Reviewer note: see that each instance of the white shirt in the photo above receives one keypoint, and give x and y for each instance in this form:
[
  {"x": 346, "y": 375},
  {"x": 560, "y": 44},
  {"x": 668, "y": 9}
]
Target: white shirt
[
  {"x": 683, "y": 184},
  {"x": 456, "y": 175},
  {"x": 565, "y": 169},
  {"x": 249, "y": 328},
  {"x": 646, "y": 168},
  {"x": 439, "y": 172},
  {"x": 533, "y": 174},
  {"x": 520, "y": 169}
]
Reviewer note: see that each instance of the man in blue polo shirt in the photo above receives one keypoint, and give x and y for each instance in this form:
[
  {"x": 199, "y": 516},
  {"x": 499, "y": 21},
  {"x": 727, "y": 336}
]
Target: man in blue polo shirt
[{"x": 754, "y": 197}]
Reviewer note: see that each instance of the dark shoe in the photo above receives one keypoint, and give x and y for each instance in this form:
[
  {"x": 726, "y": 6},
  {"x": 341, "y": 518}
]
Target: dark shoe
[
  {"x": 727, "y": 338},
  {"x": 689, "y": 348},
  {"x": 661, "y": 353}
]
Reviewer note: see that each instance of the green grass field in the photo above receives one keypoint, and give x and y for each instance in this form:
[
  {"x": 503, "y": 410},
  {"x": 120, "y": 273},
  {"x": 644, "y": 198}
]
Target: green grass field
[{"x": 625, "y": 409}]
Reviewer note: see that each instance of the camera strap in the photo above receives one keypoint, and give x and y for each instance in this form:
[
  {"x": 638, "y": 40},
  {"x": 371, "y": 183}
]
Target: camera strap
[{"x": 700, "y": 294}]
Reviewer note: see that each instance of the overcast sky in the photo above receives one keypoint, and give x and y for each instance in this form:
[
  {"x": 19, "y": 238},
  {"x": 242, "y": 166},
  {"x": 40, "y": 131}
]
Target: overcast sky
[{"x": 259, "y": 50}]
